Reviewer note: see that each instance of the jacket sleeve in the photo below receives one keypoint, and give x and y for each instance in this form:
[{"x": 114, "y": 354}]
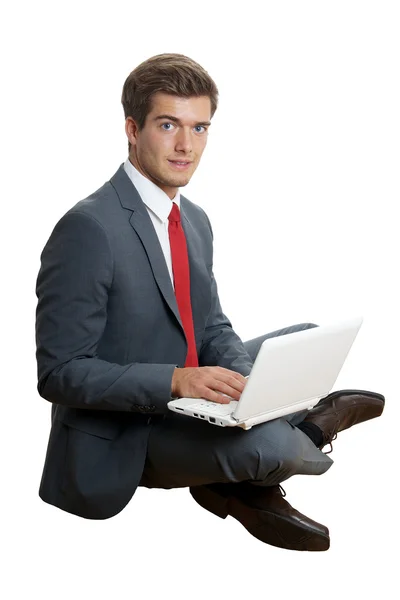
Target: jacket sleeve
[
  {"x": 73, "y": 284},
  {"x": 221, "y": 346}
]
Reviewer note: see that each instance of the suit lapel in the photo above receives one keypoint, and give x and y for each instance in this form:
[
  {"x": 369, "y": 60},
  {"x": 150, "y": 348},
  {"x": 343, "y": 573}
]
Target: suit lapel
[{"x": 141, "y": 223}]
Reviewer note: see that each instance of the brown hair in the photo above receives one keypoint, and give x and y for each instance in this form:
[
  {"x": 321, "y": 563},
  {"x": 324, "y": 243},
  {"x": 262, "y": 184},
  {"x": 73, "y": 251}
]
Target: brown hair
[{"x": 169, "y": 73}]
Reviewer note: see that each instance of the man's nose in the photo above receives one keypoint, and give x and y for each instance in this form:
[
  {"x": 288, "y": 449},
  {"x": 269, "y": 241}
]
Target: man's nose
[{"x": 184, "y": 140}]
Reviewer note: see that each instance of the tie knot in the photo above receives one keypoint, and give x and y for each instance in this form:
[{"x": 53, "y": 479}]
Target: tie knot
[{"x": 175, "y": 214}]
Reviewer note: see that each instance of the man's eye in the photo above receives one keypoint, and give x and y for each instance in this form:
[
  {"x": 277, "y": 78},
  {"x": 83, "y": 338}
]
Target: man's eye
[{"x": 166, "y": 127}]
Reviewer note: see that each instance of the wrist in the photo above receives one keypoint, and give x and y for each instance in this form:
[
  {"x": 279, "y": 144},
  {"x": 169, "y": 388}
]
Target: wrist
[{"x": 174, "y": 391}]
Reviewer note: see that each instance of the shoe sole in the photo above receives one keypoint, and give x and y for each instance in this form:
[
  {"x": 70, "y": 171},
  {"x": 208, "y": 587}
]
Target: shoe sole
[{"x": 270, "y": 528}]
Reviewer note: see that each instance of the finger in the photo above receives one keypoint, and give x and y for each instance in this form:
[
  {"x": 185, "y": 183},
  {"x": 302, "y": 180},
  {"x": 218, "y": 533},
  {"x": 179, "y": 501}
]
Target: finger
[
  {"x": 224, "y": 390},
  {"x": 230, "y": 386},
  {"x": 233, "y": 374},
  {"x": 221, "y": 399},
  {"x": 215, "y": 396}
]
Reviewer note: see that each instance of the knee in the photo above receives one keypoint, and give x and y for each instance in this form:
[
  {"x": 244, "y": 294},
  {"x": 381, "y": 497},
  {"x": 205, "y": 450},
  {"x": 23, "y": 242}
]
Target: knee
[
  {"x": 291, "y": 457},
  {"x": 278, "y": 450}
]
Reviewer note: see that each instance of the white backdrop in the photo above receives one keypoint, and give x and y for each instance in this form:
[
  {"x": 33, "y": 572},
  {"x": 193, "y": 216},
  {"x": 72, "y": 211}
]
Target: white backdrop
[{"x": 303, "y": 155}]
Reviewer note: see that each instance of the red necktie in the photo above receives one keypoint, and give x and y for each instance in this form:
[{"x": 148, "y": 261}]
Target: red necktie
[{"x": 180, "y": 269}]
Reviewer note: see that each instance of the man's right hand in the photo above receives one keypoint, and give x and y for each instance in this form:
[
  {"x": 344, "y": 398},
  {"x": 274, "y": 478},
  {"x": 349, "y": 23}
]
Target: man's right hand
[{"x": 209, "y": 383}]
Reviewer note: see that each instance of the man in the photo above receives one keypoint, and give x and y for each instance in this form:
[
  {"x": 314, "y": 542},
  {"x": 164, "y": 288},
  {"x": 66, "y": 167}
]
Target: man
[{"x": 128, "y": 316}]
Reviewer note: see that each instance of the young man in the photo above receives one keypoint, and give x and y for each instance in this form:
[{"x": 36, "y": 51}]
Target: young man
[{"x": 128, "y": 316}]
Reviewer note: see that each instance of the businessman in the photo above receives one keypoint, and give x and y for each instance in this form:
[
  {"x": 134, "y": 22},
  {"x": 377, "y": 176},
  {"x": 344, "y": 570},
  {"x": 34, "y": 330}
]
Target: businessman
[{"x": 128, "y": 317}]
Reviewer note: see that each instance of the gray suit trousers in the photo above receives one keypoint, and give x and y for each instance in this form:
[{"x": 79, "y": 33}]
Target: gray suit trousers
[{"x": 183, "y": 451}]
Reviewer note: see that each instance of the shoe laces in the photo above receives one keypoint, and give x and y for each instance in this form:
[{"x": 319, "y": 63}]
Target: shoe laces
[{"x": 329, "y": 441}]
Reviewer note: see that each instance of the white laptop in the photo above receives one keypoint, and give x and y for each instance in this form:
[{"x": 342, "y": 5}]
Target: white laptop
[{"x": 291, "y": 372}]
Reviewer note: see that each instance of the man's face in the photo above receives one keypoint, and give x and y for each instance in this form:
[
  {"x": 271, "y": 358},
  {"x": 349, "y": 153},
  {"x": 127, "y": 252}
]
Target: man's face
[{"x": 176, "y": 129}]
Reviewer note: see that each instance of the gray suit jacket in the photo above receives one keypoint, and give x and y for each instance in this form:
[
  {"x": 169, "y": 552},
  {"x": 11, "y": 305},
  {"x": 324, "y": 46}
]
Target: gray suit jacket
[{"x": 109, "y": 336}]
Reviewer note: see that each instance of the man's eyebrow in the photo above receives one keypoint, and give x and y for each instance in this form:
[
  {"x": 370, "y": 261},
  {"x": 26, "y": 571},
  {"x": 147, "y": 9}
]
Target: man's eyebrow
[{"x": 176, "y": 120}]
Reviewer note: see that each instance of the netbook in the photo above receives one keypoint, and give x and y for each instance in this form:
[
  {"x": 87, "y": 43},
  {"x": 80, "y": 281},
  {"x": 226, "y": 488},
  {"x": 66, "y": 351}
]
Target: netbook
[{"x": 291, "y": 372}]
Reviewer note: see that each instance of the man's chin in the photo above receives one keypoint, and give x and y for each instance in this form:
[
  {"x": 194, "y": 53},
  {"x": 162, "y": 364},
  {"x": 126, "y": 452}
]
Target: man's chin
[
  {"x": 183, "y": 182},
  {"x": 179, "y": 181}
]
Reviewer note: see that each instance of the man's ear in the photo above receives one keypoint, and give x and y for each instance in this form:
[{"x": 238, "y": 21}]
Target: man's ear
[{"x": 131, "y": 130}]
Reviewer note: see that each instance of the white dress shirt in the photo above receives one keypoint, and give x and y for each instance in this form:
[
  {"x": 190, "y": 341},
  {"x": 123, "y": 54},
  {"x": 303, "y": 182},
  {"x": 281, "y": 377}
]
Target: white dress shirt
[{"x": 158, "y": 205}]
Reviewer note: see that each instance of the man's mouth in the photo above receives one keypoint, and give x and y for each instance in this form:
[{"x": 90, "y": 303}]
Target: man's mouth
[{"x": 180, "y": 164}]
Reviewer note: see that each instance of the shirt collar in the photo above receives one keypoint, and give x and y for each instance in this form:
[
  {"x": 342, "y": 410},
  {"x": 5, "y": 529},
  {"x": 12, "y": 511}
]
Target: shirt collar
[{"x": 154, "y": 197}]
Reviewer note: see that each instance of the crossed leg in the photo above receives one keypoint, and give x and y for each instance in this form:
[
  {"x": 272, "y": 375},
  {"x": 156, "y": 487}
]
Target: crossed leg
[{"x": 183, "y": 451}]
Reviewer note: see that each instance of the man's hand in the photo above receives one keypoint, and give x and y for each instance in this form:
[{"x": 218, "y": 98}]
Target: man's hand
[{"x": 209, "y": 383}]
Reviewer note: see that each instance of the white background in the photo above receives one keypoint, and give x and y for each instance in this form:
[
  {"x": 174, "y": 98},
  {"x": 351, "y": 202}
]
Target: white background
[{"x": 300, "y": 179}]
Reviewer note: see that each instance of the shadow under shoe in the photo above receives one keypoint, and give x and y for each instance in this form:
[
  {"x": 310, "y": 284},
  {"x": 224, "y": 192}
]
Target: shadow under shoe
[{"x": 265, "y": 514}]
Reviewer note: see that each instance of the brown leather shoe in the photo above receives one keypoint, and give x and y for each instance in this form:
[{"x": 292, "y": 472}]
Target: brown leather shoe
[
  {"x": 343, "y": 409},
  {"x": 264, "y": 513}
]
